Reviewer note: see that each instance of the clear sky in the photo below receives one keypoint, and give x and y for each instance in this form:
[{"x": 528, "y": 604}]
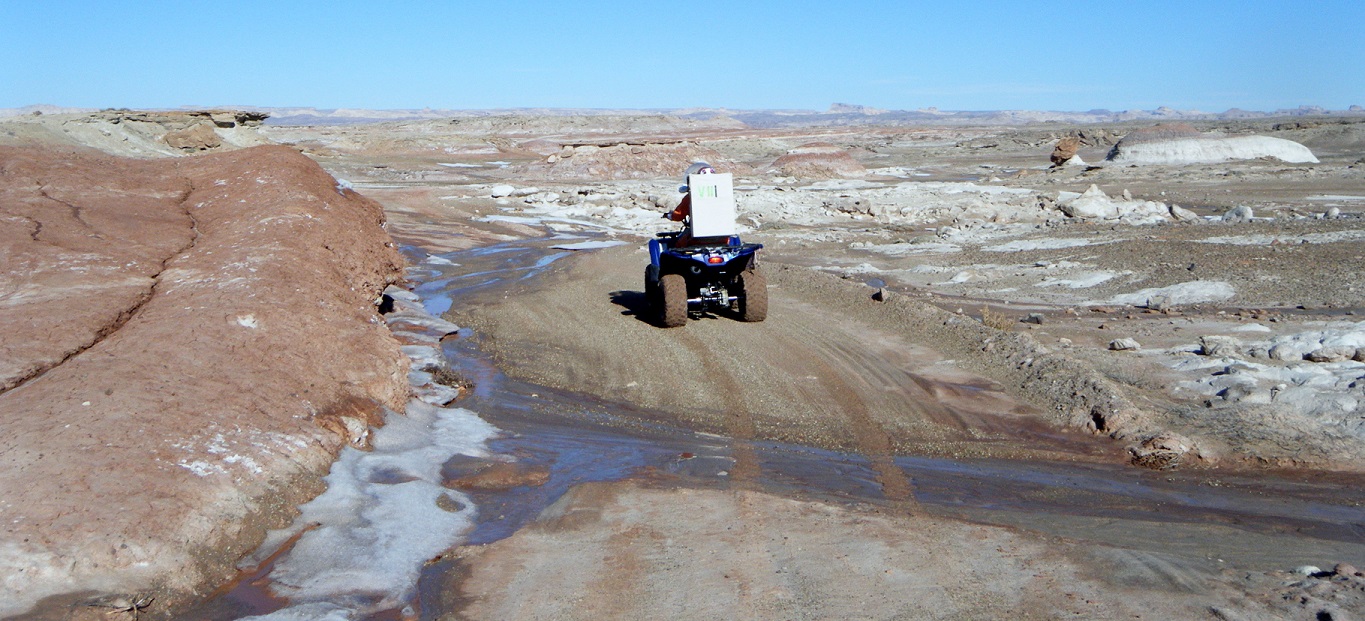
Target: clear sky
[{"x": 954, "y": 55}]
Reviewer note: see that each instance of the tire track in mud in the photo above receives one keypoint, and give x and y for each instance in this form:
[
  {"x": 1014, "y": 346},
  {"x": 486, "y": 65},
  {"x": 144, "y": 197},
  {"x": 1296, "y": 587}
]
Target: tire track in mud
[
  {"x": 883, "y": 378},
  {"x": 739, "y": 420},
  {"x": 872, "y": 439}
]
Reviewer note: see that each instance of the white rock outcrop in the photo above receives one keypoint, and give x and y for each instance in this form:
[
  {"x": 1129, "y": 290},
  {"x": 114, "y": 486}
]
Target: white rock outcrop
[
  {"x": 1210, "y": 149},
  {"x": 1183, "y": 294},
  {"x": 1094, "y": 204}
]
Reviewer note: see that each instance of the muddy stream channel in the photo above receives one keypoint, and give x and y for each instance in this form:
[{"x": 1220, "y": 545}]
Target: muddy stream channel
[{"x": 365, "y": 549}]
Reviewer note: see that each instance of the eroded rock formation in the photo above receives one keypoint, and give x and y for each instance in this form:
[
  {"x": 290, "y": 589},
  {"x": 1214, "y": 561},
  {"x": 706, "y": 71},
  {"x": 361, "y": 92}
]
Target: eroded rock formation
[{"x": 187, "y": 343}]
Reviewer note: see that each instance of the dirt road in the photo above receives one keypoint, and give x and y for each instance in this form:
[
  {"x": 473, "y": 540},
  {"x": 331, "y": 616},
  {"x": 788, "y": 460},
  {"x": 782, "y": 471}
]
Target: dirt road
[
  {"x": 832, "y": 369},
  {"x": 828, "y": 368}
]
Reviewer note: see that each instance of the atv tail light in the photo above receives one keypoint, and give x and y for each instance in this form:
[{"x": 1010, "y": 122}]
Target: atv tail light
[{"x": 715, "y": 259}]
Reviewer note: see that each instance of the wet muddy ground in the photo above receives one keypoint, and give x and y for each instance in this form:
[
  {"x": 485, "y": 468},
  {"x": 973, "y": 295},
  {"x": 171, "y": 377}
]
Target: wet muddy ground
[{"x": 1205, "y": 521}]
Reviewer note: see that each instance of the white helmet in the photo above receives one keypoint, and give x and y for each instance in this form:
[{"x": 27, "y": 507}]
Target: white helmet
[{"x": 698, "y": 168}]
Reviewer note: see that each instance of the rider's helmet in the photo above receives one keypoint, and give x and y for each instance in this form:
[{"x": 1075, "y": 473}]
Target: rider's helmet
[{"x": 697, "y": 168}]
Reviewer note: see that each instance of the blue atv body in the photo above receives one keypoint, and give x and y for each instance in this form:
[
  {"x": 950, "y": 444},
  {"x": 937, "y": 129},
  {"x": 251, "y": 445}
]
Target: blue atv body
[{"x": 707, "y": 275}]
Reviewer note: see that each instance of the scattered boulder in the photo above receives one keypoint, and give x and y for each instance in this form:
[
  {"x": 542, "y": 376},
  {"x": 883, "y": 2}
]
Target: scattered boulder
[
  {"x": 500, "y": 191},
  {"x": 1220, "y": 346},
  {"x": 1161, "y": 452},
  {"x": 1033, "y": 318},
  {"x": 197, "y": 137},
  {"x": 1331, "y": 354},
  {"x": 1183, "y": 215},
  {"x": 1065, "y": 150},
  {"x": 1240, "y": 213},
  {"x": 1094, "y": 204},
  {"x": 1332, "y": 345},
  {"x": 850, "y": 204},
  {"x": 1124, "y": 344}
]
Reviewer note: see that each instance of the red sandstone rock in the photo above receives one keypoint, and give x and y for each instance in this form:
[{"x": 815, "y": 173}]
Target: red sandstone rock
[
  {"x": 197, "y": 137},
  {"x": 184, "y": 341},
  {"x": 1065, "y": 150}
]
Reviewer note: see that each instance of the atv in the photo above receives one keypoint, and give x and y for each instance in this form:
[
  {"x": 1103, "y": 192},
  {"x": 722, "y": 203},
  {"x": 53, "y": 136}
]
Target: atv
[
  {"x": 704, "y": 267},
  {"x": 703, "y": 278}
]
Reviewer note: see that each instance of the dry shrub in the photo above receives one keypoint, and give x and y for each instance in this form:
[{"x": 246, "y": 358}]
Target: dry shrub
[
  {"x": 992, "y": 319},
  {"x": 446, "y": 377}
]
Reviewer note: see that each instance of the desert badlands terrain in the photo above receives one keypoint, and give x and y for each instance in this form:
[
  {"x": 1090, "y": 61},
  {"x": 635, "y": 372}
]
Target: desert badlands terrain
[{"x": 302, "y": 364}]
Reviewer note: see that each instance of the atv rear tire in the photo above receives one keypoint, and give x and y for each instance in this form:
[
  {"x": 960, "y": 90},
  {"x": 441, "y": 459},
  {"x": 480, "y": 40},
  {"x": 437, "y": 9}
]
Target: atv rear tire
[
  {"x": 652, "y": 300},
  {"x": 674, "y": 289},
  {"x": 753, "y": 296}
]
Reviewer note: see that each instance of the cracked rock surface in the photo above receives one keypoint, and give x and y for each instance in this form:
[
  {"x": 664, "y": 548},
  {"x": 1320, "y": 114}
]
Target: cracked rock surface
[{"x": 183, "y": 342}]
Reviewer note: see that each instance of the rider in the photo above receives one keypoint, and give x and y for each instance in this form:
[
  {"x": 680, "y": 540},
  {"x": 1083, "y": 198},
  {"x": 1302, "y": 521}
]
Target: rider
[{"x": 683, "y": 211}]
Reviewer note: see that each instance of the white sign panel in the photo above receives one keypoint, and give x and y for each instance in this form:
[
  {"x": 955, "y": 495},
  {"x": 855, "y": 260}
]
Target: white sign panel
[{"x": 713, "y": 204}]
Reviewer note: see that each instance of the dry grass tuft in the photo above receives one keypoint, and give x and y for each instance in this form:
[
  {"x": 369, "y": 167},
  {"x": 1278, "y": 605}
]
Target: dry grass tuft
[
  {"x": 992, "y": 319},
  {"x": 450, "y": 378}
]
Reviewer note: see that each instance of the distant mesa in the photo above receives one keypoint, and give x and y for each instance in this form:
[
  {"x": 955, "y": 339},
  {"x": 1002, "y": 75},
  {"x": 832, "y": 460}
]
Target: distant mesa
[
  {"x": 818, "y": 160},
  {"x": 843, "y": 108},
  {"x": 1179, "y": 143}
]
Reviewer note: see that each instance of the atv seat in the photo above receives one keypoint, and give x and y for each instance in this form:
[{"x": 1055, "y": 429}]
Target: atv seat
[{"x": 669, "y": 241}]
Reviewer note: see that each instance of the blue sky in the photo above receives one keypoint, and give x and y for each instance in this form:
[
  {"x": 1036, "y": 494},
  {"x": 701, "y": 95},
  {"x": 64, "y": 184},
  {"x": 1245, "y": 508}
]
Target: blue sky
[{"x": 1058, "y": 55}]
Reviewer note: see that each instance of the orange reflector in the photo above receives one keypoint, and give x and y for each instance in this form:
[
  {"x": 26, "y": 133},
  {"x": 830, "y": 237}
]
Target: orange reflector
[{"x": 713, "y": 259}]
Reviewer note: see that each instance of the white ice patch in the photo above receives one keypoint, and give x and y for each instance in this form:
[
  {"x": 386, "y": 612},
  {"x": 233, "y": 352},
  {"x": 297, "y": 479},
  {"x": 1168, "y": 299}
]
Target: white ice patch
[
  {"x": 900, "y": 250},
  {"x": 843, "y": 184},
  {"x": 200, "y": 468},
  {"x": 537, "y": 221},
  {"x": 1193, "y": 292},
  {"x": 1336, "y": 197},
  {"x": 459, "y": 165},
  {"x": 589, "y": 245},
  {"x": 247, "y": 321},
  {"x": 385, "y": 513},
  {"x": 1039, "y": 244},
  {"x": 439, "y": 260},
  {"x": 1084, "y": 280},
  {"x": 1266, "y": 240},
  {"x": 424, "y": 355},
  {"x": 316, "y": 611}
]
